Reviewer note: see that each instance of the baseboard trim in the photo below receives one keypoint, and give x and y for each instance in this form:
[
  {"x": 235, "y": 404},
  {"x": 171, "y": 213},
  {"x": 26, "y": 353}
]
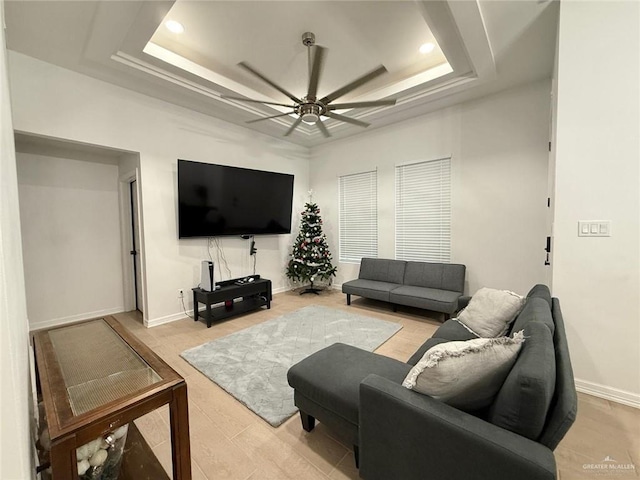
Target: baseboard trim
[
  {"x": 608, "y": 393},
  {"x": 167, "y": 319},
  {"x": 54, "y": 322},
  {"x": 180, "y": 315},
  {"x": 281, "y": 290}
]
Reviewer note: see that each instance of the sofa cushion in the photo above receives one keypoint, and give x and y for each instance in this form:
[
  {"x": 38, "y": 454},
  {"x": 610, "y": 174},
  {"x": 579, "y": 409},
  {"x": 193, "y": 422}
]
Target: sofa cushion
[
  {"x": 415, "y": 358},
  {"x": 540, "y": 291},
  {"x": 315, "y": 377},
  {"x": 369, "y": 288},
  {"x": 535, "y": 310},
  {"x": 444, "y": 276},
  {"x": 465, "y": 374},
  {"x": 453, "y": 330},
  {"x": 522, "y": 403},
  {"x": 382, "y": 270},
  {"x": 427, "y": 298},
  {"x": 491, "y": 311}
]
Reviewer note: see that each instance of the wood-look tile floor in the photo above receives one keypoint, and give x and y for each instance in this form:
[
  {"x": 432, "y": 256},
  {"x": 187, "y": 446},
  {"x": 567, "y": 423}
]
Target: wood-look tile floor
[{"x": 228, "y": 441}]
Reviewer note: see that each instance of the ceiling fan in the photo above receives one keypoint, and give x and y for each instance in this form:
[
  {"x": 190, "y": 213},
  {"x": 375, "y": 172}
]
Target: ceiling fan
[{"x": 309, "y": 108}]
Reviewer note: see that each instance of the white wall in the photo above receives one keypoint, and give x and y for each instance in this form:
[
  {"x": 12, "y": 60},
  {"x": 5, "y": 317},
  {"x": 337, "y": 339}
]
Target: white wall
[
  {"x": 597, "y": 178},
  {"x": 15, "y": 453},
  {"x": 498, "y": 147},
  {"x": 71, "y": 238},
  {"x": 55, "y": 102}
]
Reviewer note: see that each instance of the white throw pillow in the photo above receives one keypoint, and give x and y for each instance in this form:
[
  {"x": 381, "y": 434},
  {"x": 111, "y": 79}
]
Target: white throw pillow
[
  {"x": 466, "y": 375},
  {"x": 490, "y": 312}
]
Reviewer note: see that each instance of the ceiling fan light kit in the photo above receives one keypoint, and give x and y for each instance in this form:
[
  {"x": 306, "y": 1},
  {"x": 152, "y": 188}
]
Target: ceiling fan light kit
[
  {"x": 308, "y": 108},
  {"x": 309, "y": 112}
]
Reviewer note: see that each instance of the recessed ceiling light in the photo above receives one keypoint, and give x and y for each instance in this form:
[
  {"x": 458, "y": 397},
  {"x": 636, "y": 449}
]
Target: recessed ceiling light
[
  {"x": 173, "y": 26},
  {"x": 427, "y": 48}
]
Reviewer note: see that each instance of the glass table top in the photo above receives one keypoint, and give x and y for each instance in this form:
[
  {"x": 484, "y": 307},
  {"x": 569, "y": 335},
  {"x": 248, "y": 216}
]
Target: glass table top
[{"x": 97, "y": 365}]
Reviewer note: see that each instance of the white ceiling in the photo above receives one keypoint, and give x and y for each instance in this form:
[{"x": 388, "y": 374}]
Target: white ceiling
[{"x": 481, "y": 47}]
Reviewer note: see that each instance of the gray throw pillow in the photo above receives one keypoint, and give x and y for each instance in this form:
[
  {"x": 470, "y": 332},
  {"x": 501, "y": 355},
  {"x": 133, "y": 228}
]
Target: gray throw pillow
[{"x": 466, "y": 374}]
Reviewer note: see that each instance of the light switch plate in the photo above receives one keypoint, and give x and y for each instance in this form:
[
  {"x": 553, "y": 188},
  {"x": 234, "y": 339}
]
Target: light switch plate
[{"x": 594, "y": 228}]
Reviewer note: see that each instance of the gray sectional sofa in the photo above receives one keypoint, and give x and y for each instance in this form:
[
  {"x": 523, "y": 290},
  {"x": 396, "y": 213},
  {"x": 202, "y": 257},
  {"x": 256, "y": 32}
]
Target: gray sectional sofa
[
  {"x": 401, "y": 434},
  {"x": 432, "y": 286}
]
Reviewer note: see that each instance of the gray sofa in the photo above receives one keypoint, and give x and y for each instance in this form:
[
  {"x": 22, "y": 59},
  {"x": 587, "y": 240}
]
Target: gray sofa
[
  {"x": 401, "y": 434},
  {"x": 432, "y": 286}
]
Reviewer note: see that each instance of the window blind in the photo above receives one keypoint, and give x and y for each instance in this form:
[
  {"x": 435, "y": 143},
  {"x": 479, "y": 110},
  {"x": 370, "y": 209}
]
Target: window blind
[
  {"x": 358, "y": 216},
  {"x": 423, "y": 211}
]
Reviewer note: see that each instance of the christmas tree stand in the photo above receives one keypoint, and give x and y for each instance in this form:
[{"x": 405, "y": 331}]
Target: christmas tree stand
[{"x": 315, "y": 291}]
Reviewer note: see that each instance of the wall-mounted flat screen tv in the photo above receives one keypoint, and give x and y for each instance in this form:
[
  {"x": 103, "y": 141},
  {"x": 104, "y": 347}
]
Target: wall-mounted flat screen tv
[{"x": 216, "y": 200}]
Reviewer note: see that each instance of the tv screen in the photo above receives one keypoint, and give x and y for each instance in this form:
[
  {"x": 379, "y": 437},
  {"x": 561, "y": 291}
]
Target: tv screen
[{"x": 218, "y": 200}]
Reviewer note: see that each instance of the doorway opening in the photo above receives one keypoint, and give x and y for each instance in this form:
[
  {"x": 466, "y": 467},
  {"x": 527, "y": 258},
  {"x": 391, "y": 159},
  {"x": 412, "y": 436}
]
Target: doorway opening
[
  {"x": 132, "y": 239},
  {"x": 135, "y": 245}
]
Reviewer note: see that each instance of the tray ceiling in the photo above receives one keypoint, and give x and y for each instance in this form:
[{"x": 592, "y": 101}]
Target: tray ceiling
[{"x": 479, "y": 48}]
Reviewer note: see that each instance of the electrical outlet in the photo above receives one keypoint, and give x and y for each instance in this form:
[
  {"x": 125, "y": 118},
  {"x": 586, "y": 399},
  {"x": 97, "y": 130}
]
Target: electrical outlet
[{"x": 180, "y": 293}]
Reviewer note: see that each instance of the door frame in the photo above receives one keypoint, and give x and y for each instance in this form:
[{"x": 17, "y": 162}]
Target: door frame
[{"x": 126, "y": 222}]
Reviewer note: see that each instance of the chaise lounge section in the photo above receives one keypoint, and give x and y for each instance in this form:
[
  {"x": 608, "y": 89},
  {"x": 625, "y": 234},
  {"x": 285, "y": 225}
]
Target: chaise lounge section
[{"x": 431, "y": 286}]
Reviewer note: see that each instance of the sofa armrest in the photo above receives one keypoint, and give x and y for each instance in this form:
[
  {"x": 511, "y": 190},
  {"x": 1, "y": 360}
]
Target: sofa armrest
[
  {"x": 463, "y": 301},
  {"x": 404, "y": 434}
]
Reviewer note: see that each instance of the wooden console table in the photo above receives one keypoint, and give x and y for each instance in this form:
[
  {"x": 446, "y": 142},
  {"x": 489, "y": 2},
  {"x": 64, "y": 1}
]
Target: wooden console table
[
  {"x": 255, "y": 294},
  {"x": 95, "y": 377}
]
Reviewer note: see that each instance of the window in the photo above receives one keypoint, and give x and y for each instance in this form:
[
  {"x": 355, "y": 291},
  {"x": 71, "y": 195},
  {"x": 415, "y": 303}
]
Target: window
[
  {"x": 358, "y": 216},
  {"x": 423, "y": 211}
]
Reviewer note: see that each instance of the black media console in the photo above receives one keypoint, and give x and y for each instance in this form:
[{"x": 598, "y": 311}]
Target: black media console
[{"x": 236, "y": 296}]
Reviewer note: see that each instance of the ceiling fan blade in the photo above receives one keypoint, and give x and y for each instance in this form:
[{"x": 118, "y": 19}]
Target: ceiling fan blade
[
  {"x": 272, "y": 116},
  {"x": 355, "y": 84},
  {"x": 323, "y": 129},
  {"x": 375, "y": 103},
  {"x": 342, "y": 118},
  {"x": 266, "y": 80},
  {"x": 256, "y": 101},
  {"x": 293, "y": 127},
  {"x": 314, "y": 77}
]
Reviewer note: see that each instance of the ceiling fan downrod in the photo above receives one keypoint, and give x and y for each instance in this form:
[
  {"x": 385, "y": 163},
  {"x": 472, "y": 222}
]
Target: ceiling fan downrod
[
  {"x": 310, "y": 110},
  {"x": 308, "y": 40}
]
